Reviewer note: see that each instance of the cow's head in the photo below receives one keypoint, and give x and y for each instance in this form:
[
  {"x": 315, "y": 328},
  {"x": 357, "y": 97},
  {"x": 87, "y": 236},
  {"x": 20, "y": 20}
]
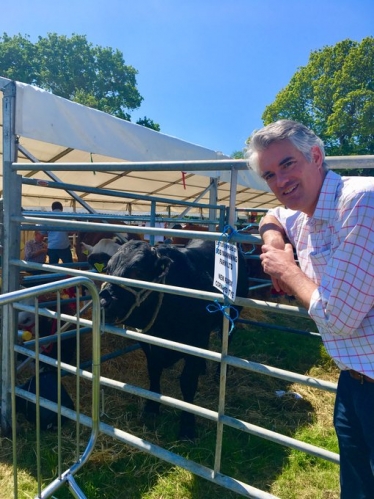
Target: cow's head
[
  {"x": 99, "y": 254},
  {"x": 135, "y": 260}
]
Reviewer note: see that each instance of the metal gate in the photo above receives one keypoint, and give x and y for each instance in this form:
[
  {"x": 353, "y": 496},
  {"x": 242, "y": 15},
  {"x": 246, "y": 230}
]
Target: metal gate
[{"x": 33, "y": 359}]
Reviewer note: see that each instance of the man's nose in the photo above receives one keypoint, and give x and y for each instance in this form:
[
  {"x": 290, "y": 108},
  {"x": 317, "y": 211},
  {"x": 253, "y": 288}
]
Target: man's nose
[{"x": 281, "y": 179}]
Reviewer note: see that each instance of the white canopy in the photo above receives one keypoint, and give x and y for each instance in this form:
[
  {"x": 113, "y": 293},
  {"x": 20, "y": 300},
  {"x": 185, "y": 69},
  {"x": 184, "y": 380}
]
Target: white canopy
[{"x": 55, "y": 130}]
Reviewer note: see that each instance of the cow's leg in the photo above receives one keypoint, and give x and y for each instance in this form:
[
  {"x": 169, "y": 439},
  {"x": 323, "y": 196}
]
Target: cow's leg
[
  {"x": 193, "y": 367},
  {"x": 155, "y": 368}
]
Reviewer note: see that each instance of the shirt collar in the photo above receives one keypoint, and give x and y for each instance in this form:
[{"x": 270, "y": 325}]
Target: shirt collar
[{"x": 327, "y": 197}]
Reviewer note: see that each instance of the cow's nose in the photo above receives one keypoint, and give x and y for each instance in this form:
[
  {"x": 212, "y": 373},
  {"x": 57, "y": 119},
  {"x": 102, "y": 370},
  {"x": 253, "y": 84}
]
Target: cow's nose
[{"x": 105, "y": 298}]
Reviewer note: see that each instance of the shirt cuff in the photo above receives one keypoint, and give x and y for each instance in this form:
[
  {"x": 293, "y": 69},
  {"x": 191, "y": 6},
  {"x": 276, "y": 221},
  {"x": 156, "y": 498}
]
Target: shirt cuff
[{"x": 316, "y": 310}]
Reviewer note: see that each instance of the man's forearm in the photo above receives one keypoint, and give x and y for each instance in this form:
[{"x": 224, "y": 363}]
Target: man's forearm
[
  {"x": 299, "y": 285},
  {"x": 272, "y": 232},
  {"x": 289, "y": 278}
]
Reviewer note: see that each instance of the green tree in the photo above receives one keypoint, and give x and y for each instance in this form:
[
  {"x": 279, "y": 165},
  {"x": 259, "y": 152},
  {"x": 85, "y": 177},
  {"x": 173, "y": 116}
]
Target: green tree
[
  {"x": 237, "y": 155},
  {"x": 147, "y": 122},
  {"x": 333, "y": 95},
  {"x": 75, "y": 69}
]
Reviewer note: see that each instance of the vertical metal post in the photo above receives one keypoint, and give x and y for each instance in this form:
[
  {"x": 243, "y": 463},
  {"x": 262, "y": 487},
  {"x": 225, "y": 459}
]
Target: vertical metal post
[
  {"x": 152, "y": 222},
  {"x": 213, "y": 190},
  {"x": 225, "y": 342},
  {"x": 233, "y": 188},
  {"x": 222, "y": 218},
  {"x": 11, "y": 233}
]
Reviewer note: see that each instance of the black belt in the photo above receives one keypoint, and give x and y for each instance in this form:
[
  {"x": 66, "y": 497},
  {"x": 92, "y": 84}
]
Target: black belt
[{"x": 360, "y": 377}]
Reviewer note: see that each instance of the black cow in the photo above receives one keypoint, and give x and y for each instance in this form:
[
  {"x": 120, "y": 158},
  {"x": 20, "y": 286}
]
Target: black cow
[{"x": 182, "y": 319}]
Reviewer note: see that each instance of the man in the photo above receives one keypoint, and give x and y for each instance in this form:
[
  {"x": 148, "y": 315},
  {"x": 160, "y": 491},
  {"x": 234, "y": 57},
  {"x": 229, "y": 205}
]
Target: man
[
  {"x": 36, "y": 249},
  {"x": 58, "y": 242},
  {"x": 328, "y": 220}
]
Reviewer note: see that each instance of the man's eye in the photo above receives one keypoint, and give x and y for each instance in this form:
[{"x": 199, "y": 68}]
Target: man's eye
[
  {"x": 268, "y": 176},
  {"x": 288, "y": 164}
]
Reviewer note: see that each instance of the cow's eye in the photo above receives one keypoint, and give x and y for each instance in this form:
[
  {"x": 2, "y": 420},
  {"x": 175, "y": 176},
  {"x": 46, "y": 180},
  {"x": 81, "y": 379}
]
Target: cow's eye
[{"x": 135, "y": 274}]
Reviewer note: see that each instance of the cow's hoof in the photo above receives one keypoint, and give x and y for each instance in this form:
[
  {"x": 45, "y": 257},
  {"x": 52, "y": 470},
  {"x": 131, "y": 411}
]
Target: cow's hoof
[{"x": 187, "y": 434}]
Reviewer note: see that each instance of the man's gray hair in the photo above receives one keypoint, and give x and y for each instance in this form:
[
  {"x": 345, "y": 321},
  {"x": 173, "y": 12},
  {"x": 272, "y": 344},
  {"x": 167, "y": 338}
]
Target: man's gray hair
[{"x": 298, "y": 134}]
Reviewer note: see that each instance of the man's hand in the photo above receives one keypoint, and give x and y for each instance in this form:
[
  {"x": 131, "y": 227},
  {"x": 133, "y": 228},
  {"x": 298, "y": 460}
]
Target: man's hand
[
  {"x": 286, "y": 274},
  {"x": 277, "y": 263}
]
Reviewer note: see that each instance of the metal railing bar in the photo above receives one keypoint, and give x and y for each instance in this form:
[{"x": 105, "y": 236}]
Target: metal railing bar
[
  {"x": 134, "y": 229},
  {"x": 131, "y": 166},
  {"x": 119, "y": 194},
  {"x": 205, "y": 295}
]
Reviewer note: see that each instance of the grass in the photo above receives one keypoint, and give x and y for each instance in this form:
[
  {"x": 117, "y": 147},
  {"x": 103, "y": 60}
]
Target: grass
[{"x": 117, "y": 471}]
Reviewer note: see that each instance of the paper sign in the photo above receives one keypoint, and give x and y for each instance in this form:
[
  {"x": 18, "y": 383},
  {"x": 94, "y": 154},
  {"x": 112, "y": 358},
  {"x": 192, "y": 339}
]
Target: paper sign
[{"x": 226, "y": 268}]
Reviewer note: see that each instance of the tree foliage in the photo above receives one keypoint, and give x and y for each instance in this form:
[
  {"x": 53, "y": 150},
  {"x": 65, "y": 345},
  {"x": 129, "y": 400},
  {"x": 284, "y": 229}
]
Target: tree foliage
[
  {"x": 237, "y": 154},
  {"x": 334, "y": 96},
  {"x": 73, "y": 68},
  {"x": 147, "y": 122}
]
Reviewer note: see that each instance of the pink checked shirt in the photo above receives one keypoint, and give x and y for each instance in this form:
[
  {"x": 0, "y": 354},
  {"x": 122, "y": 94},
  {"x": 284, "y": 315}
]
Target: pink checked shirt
[{"x": 335, "y": 248}]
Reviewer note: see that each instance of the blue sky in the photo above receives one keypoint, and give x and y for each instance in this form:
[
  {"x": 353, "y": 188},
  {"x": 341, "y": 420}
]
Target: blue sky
[{"x": 206, "y": 68}]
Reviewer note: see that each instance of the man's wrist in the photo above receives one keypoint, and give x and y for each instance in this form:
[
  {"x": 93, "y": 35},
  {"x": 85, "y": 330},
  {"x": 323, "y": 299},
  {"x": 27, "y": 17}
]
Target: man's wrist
[{"x": 273, "y": 236}]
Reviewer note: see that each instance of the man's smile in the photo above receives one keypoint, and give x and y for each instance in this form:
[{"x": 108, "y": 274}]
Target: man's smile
[{"x": 290, "y": 190}]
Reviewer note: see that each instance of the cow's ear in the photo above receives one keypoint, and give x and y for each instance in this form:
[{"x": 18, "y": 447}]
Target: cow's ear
[
  {"x": 162, "y": 264},
  {"x": 86, "y": 248}
]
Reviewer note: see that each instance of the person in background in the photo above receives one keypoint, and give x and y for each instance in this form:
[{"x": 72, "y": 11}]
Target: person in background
[
  {"x": 169, "y": 240},
  {"x": 252, "y": 217},
  {"x": 58, "y": 242},
  {"x": 36, "y": 249},
  {"x": 328, "y": 220}
]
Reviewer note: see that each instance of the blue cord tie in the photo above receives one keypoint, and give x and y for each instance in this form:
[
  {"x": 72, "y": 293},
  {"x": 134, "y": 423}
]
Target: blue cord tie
[
  {"x": 217, "y": 307},
  {"x": 228, "y": 232},
  {"x": 249, "y": 226}
]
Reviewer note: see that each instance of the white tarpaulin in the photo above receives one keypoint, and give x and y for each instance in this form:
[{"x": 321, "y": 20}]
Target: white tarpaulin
[{"x": 53, "y": 129}]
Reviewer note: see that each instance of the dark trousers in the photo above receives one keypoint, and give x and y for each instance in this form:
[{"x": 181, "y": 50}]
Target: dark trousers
[
  {"x": 54, "y": 255},
  {"x": 354, "y": 425}
]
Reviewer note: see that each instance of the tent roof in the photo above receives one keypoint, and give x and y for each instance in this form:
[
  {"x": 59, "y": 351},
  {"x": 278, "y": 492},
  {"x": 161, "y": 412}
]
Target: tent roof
[{"x": 55, "y": 130}]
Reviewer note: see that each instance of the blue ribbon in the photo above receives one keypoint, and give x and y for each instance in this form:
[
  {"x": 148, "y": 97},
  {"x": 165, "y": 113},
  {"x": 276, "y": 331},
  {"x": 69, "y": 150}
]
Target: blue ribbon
[
  {"x": 217, "y": 307},
  {"x": 249, "y": 226}
]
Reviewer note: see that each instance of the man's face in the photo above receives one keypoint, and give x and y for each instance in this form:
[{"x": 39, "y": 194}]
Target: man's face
[{"x": 295, "y": 181}]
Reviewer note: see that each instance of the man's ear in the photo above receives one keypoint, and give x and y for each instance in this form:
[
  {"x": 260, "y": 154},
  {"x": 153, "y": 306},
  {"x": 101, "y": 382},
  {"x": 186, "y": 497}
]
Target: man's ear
[{"x": 317, "y": 156}]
